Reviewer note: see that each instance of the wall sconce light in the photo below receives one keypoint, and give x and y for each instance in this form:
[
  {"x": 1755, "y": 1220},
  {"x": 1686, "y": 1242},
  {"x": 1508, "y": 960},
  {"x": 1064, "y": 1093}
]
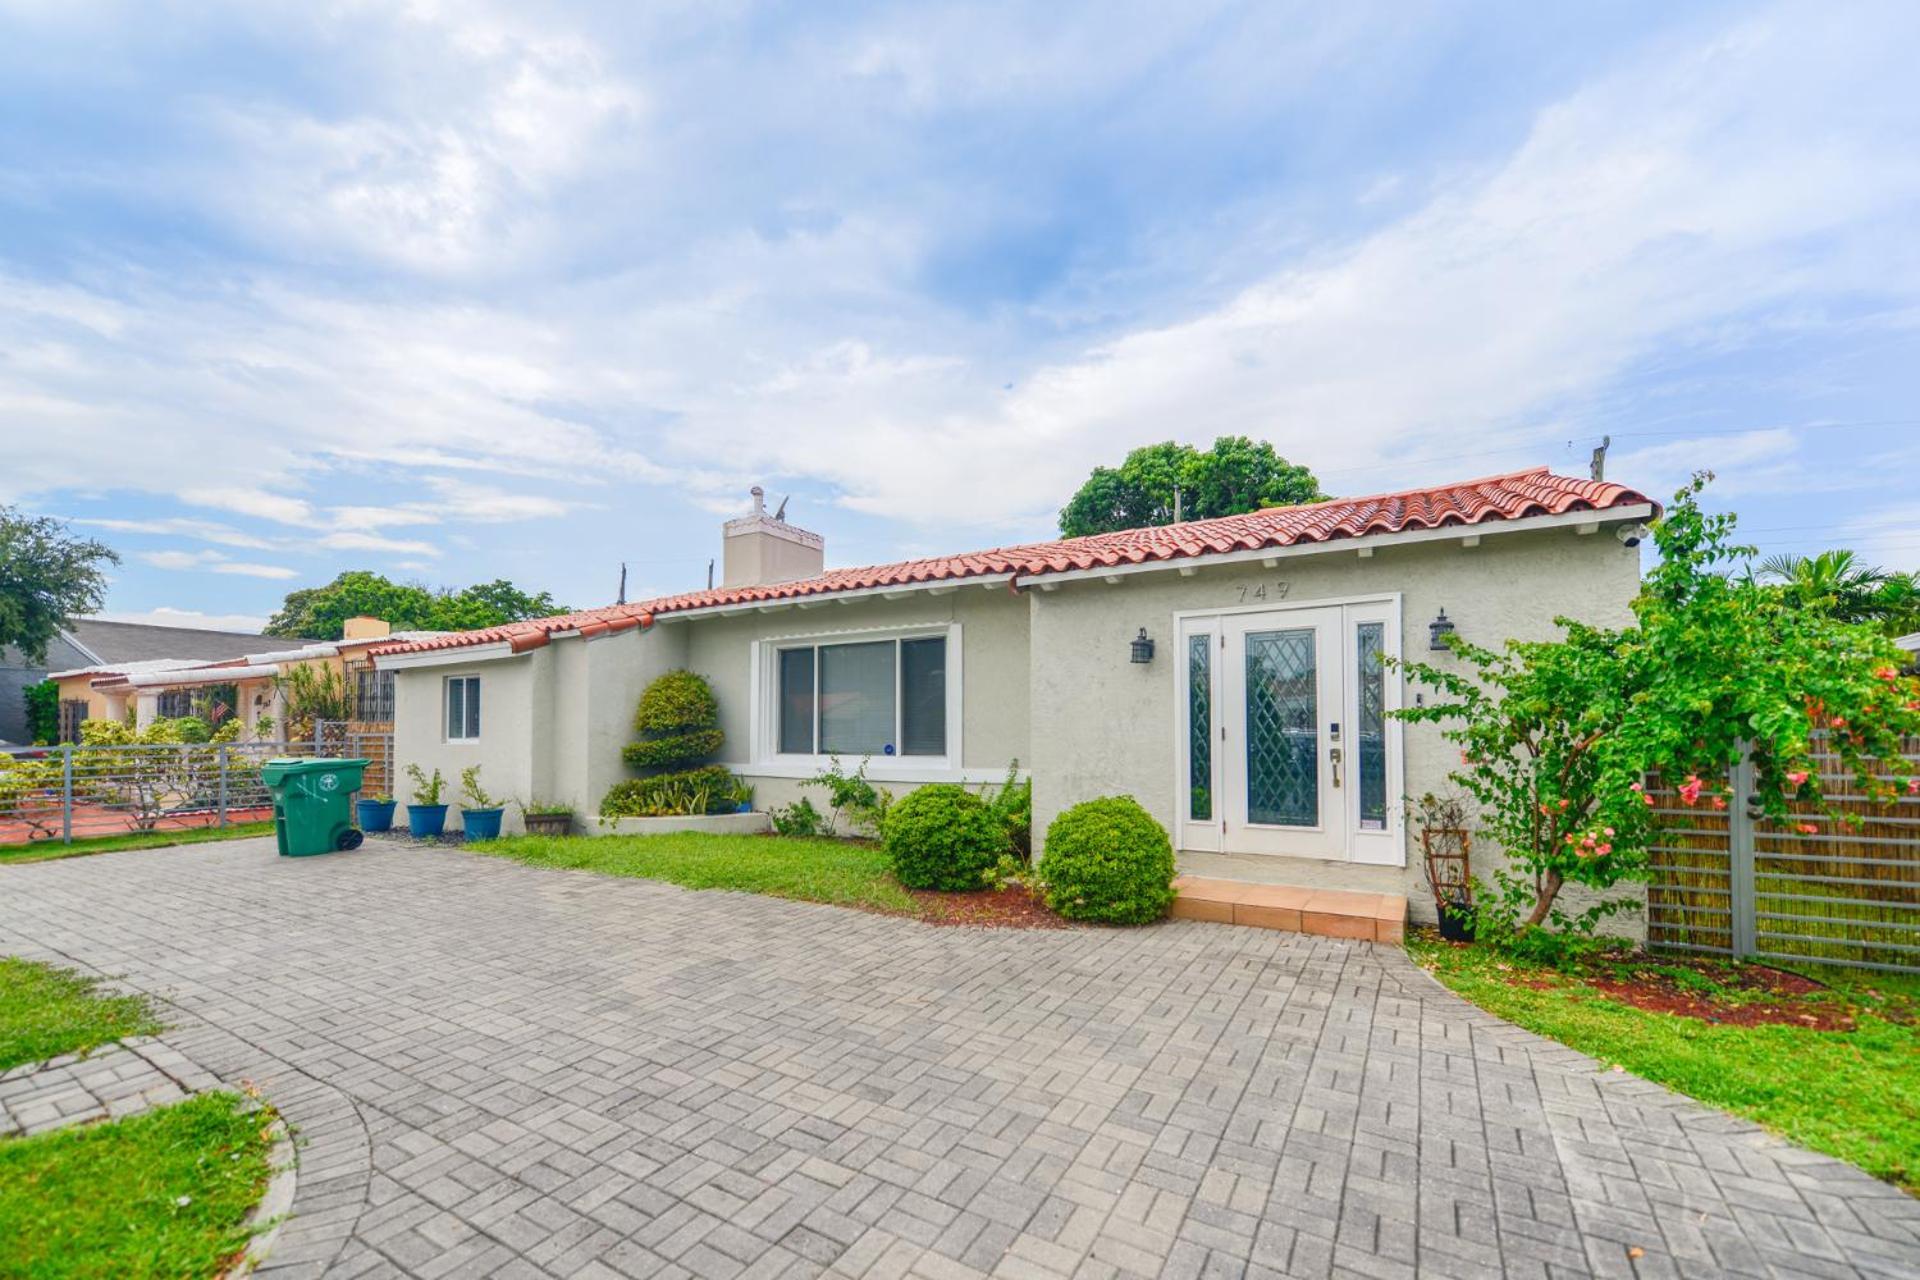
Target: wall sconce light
[
  {"x": 1142, "y": 647},
  {"x": 1439, "y": 629}
]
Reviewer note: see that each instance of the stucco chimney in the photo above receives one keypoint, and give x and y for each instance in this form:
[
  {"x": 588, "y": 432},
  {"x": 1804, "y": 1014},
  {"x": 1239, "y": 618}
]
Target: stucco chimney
[
  {"x": 762, "y": 549},
  {"x": 362, "y": 627}
]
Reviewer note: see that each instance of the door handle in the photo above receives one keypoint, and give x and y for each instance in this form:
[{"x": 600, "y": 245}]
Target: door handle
[{"x": 1333, "y": 754}]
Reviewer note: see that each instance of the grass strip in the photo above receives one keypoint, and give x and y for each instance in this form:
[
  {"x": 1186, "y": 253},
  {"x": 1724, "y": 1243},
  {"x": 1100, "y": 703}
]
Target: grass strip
[
  {"x": 47, "y": 1011},
  {"x": 1853, "y": 1094},
  {"x": 51, "y": 850},
  {"x": 165, "y": 1193}
]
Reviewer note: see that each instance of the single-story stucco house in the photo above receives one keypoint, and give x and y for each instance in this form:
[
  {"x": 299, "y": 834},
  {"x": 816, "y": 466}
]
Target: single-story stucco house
[{"x": 1226, "y": 673}]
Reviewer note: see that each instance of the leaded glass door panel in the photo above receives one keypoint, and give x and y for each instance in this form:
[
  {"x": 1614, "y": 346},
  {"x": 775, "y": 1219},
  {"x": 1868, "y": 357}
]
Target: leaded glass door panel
[{"x": 1280, "y": 740}]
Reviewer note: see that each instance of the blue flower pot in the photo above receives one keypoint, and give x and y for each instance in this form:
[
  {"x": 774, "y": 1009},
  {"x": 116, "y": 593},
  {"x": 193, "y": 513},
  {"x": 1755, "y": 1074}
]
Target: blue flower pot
[
  {"x": 424, "y": 821},
  {"x": 481, "y": 824},
  {"x": 374, "y": 815}
]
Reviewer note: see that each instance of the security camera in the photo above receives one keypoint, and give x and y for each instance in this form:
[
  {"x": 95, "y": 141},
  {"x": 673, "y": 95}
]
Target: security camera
[{"x": 1630, "y": 535}]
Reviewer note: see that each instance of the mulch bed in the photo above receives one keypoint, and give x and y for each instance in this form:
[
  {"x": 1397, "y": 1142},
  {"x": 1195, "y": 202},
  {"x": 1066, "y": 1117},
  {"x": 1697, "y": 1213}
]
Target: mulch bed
[
  {"x": 1009, "y": 908},
  {"x": 1749, "y": 996}
]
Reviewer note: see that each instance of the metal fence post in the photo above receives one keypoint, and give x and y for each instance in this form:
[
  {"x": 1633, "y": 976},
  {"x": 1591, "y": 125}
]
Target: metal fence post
[
  {"x": 1741, "y": 817},
  {"x": 223, "y": 786},
  {"x": 66, "y": 793},
  {"x": 318, "y": 730}
]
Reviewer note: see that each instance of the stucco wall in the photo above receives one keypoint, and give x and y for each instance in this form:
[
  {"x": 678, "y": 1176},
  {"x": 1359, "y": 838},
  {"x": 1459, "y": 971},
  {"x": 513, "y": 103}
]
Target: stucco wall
[
  {"x": 516, "y": 729},
  {"x": 993, "y": 666},
  {"x": 1103, "y": 725}
]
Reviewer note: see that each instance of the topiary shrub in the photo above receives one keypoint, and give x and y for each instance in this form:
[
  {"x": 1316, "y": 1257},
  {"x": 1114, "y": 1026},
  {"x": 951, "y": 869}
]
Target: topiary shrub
[
  {"x": 943, "y": 837},
  {"x": 1108, "y": 860},
  {"x": 678, "y": 702},
  {"x": 679, "y": 724},
  {"x": 659, "y": 753}
]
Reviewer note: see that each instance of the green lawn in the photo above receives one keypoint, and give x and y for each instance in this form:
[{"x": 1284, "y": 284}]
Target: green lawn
[
  {"x": 836, "y": 871},
  {"x": 166, "y": 1193},
  {"x": 1851, "y": 1094},
  {"x": 45, "y": 1012},
  {"x": 47, "y": 850}
]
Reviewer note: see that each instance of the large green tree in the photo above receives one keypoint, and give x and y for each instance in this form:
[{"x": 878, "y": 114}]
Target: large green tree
[
  {"x": 47, "y": 576},
  {"x": 1234, "y": 476},
  {"x": 320, "y": 613}
]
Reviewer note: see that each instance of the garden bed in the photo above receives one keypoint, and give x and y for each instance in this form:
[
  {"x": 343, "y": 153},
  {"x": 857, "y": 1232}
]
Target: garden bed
[{"x": 726, "y": 824}]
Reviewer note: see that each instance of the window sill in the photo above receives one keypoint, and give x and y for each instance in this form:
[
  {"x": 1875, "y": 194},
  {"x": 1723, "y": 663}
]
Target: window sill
[{"x": 879, "y": 769}]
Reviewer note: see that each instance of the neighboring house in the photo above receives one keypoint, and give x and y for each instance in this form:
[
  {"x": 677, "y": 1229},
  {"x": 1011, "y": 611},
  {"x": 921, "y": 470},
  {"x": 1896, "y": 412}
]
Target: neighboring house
[
  {"x": 246, "y": 685},
  {"x": 97, "y": 642},
  {"x": 1912, "y": 645},
  {"x": 1227, "y": 673}
]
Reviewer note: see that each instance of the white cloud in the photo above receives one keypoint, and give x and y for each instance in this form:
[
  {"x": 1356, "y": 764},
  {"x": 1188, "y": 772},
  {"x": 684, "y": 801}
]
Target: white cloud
[
  {"x": 258, "y": 503},
  {"x": 350, "y": 541},
  {"x": 165, "y": 616},
  {"x": 214, "y": 562},
  {"x": 206, "y": 530}
]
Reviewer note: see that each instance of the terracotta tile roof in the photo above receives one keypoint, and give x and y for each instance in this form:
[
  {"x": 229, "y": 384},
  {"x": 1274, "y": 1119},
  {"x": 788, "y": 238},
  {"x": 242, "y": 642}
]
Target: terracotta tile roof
[{"x": 1514, "y": 496}]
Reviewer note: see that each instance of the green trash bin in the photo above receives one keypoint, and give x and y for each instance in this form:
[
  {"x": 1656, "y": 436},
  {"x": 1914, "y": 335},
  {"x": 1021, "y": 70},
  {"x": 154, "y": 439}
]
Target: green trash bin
[{"x": 313, "y": 804}]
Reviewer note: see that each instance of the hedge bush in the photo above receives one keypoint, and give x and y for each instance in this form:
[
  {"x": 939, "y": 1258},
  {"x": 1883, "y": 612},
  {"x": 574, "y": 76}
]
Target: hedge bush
[
  {"x": 658, "y": 753},
  {"x": 676, "y": 703},
  {"x": 1108, "y": 860},
  {"x": 943, "y": 837},
  {"x": 667, "y": 793}
]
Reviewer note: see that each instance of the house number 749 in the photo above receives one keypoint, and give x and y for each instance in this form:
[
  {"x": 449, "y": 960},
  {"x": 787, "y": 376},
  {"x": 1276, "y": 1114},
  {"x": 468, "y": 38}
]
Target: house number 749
[{"x": 1277, "y": 591}]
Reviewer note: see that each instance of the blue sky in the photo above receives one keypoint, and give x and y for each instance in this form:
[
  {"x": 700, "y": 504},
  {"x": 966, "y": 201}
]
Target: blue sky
[{"x": 456, "y": 292}]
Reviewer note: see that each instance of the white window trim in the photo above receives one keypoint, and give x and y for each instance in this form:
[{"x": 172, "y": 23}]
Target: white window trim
[
  {"x": 446, "y": 706},
  {"x": 764, "y": 698}
]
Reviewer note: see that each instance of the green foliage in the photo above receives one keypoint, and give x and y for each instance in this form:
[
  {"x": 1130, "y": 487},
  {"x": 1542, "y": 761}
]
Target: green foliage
[
  {"x": 472, "y": 794},
  {"x": 192, "y": 729},
  {"x": 942, "y": 837},
  {"x": 1842, "y": 585},
  {"x": 1236, "y": 475},
  {"x": 682, "y": 748},
  {"x": 851, "y": 796},
  {"x": 709, "y": 789},
  {"x": 843, "y": 872},
  {"x": 150, "y": 784},
  {"x": 43, "y": 711},
  {"x": 46, "y": 1011},
  {"x": 1559, "y": 738},
  {"x": 544, "y": 808},
  {"x": 679, "y": 722},
  {"x": 1107, "y": 860},
  {"x": 1011, "y": 804},
  {"x": 164, "y": 1193},
  {"x": 676, "y": 703},
  {"x": 320, "y": 613},
  {"x": 313, "y": 691},
  {"x": 798, "y": 819},
  {"x": 47, "y": 577},
  {"x": 426, "y": 790}
]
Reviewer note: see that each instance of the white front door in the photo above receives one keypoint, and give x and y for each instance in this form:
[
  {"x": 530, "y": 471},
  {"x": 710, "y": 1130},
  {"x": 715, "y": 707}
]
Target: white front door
[{"x": 1286, "y": 748}]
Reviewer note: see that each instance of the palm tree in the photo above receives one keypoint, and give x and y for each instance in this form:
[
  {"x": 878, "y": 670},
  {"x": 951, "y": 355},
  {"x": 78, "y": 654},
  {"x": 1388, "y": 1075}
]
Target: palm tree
[{"x": 1854, "y": 591}]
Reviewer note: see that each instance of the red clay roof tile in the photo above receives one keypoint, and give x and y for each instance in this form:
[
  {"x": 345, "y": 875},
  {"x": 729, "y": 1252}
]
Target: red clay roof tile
[{"x": 1514, "y": 496}]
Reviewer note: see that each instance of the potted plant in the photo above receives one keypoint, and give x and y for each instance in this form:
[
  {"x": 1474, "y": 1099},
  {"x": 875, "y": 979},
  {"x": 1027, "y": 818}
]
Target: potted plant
[
  {"x": 375, "y": 813},
  {"x": 426, "y": 816},
  {"x": 1446, "y": 841},
  {"x": 544, "y": 818},
  {"x": 479, "y": 812}
]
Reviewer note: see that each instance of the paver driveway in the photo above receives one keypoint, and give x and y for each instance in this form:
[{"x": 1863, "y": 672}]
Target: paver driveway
[{"x": 505, "y": 1070}]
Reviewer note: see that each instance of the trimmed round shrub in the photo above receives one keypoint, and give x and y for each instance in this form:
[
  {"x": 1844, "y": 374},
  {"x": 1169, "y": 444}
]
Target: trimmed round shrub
[
  {"x": 675, "y": 703},
  {"x": 1107, "y": 860},
  {"x": 942, "y": 837},
  {"x": 657, "y": 753}
]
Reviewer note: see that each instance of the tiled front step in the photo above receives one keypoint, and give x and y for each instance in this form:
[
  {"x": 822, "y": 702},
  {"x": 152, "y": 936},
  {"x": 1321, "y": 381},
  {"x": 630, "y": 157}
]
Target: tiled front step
[{"x": 1333, "y": 913}]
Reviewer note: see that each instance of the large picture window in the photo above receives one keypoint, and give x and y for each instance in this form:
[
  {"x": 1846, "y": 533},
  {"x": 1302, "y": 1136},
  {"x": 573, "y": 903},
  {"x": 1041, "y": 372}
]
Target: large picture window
[{"x": 864, "y": 697}]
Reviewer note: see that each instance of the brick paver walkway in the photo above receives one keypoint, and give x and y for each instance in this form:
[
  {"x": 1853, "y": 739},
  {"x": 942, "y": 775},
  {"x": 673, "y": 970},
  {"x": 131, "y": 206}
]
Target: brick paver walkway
[
  {"x": 499, "y": 1070},
  {"x": 117, "y": 1080}
]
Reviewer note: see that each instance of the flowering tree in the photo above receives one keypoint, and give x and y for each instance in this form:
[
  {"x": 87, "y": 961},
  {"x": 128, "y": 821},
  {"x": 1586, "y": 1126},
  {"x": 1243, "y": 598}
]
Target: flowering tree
[{"x": 1558, "y": 738}]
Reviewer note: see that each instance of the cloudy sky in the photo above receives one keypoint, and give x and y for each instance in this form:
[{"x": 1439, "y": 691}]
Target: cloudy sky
[{"x": 457, "y": 291}]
